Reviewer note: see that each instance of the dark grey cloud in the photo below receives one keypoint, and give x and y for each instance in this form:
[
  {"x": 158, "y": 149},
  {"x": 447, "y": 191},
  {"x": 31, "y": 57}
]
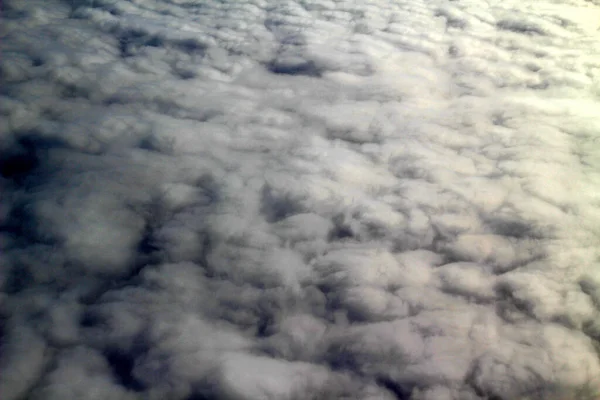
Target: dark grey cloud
[{"x": 299, "y": 200}]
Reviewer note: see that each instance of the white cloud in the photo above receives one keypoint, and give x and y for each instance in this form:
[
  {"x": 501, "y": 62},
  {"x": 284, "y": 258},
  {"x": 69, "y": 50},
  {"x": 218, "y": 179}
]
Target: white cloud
[{"x": 291, "y": 200}]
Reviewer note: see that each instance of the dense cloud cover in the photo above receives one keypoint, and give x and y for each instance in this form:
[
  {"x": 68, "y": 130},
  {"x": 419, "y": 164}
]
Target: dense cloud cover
[{"x": 254, "y": 200}]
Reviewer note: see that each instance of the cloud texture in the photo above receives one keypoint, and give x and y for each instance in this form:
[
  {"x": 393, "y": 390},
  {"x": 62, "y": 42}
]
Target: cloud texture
[{"x": 259, "y": 199}]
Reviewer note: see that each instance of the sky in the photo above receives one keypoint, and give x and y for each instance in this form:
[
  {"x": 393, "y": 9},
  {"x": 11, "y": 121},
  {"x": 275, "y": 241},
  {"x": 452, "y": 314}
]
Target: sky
[{"x": 297, "y": 199}]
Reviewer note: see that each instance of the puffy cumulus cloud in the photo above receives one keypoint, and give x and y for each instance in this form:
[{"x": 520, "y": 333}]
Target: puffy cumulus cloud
[
  {"x": 88, "y": 374},
  {"x": 299, "y": 199}
]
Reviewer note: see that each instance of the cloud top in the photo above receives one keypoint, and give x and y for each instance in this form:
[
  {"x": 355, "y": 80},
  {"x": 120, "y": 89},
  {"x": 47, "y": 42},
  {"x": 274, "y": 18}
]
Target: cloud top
[{"x": 298, "y": 200}]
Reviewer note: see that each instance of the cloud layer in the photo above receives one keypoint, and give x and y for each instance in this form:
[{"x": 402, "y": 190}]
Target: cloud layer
[{"x": 299, "y": 200}]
